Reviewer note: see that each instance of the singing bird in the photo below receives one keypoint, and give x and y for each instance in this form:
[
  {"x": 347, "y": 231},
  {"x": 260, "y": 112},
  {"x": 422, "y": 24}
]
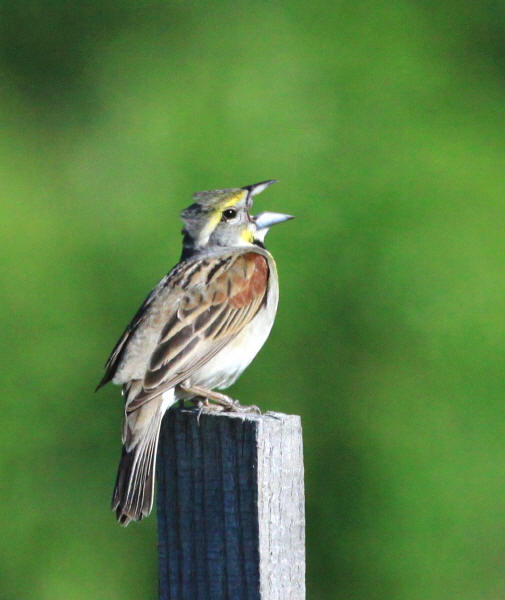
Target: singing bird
[{"x": 196, "y": 332}]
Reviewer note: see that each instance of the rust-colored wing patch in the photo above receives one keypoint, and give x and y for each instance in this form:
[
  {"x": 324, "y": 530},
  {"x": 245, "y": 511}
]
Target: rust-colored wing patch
[
  {"x": 254, "y": 281},
  {"x": 220, "y": 300}
]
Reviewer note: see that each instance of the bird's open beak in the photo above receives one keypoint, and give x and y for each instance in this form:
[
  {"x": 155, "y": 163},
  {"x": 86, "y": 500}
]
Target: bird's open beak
[
  {"x": 257, "y": 188},
  {"x": 267, "y": 219}
]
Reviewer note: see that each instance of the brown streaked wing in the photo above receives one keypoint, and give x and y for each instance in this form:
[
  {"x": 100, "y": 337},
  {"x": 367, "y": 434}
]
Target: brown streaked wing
[
  {"x": 212, "y": 315},
  {"x": 116, "y": 355},
  {"x": 173, "y": 278}
]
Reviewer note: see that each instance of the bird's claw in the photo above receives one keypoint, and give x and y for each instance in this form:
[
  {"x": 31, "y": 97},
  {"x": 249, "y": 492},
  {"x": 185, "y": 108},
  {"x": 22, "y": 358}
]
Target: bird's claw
[
  {"x": 223, "y": 403},
  {"x": 237, "y": 407},
  {"x": 205, "y": 406}
]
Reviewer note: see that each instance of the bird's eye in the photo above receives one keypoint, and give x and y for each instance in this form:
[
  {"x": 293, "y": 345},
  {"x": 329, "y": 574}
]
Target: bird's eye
[{"x": 229, "y": 213}]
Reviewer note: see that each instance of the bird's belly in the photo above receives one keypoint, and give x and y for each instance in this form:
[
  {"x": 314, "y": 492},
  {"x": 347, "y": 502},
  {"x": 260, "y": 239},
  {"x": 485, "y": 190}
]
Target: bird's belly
[{"x": 228, "y": 364}]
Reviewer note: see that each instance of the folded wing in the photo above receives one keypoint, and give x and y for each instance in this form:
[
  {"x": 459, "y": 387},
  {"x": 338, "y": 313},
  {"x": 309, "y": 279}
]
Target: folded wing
[{"x": 222, "y": 297}]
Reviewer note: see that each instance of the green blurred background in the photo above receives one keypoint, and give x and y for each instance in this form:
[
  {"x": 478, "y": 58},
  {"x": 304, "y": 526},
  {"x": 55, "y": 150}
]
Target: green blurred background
[{"x": 385, "y": 123}]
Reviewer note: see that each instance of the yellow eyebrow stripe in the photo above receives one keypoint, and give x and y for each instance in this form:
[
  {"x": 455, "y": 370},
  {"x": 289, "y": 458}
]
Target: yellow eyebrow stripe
[
  {"x": 232, "y": 200},
  {"x": 215, "y": 217}
]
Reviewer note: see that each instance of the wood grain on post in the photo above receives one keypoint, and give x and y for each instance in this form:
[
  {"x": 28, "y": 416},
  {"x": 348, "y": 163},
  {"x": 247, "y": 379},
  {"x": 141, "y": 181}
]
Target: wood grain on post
[{"x": 231, "y": 521}]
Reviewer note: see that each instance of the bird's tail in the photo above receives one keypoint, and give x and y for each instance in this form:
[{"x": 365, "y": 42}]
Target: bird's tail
[{"x": 134, "y": 490}]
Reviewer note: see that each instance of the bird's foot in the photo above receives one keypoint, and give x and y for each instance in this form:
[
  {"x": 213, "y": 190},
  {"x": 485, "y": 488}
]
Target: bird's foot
[
  {"x": 203, "y": 406},
  {"x": 220, "y": 402},
  {"x": 237, "y": 407}
]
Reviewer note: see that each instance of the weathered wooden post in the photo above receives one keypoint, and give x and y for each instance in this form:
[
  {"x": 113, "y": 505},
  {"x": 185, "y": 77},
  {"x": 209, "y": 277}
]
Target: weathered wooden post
[{"x": 231, "y": 522}]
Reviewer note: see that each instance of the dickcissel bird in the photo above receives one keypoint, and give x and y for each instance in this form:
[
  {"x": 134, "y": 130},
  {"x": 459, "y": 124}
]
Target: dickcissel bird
[{"x": 196, "y": 332}]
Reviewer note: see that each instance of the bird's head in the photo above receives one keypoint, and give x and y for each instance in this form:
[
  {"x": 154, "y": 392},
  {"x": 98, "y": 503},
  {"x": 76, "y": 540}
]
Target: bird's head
[{"x": 221, "y": 218}]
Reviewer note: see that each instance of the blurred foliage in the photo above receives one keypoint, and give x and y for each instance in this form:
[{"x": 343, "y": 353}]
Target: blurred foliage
[{"x": 385, "y": 124}]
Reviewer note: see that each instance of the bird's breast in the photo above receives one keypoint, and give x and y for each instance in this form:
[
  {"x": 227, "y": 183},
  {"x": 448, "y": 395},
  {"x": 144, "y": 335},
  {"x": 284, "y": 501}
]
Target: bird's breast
[{"x": 227, "y": 365}]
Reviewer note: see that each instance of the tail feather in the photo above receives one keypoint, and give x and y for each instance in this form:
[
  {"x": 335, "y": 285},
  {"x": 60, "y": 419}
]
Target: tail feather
[{"x": 134, "y": 490}]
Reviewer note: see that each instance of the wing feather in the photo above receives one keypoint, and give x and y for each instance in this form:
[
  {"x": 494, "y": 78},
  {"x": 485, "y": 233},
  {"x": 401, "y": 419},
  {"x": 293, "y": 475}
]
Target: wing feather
[{"x": 213, "y": 311}]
